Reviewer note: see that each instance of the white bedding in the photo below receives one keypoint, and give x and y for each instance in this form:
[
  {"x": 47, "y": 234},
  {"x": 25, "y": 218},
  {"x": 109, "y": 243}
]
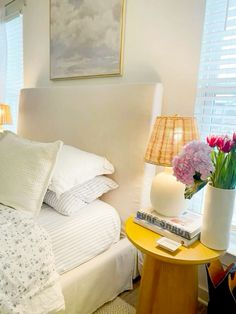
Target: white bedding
[
  {"x": 82, "y": 236},
  {"x": 100, "y": 280}
]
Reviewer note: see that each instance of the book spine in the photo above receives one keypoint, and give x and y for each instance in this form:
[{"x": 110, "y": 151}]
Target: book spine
[
  {"x": 163, "y": 224},
  {"x": 166, "y": 233}
]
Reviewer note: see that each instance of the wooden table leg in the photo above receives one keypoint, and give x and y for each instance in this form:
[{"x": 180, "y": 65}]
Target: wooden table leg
[{"x": 167, "y": 288}]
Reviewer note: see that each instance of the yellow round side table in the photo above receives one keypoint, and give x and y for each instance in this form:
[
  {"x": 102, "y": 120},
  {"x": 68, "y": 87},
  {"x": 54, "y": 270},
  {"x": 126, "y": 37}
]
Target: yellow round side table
[{"x": 169, "y": 283}]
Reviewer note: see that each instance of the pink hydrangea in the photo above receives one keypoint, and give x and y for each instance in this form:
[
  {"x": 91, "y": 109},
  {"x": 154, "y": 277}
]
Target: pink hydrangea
[{"x": 194, "y": 159}]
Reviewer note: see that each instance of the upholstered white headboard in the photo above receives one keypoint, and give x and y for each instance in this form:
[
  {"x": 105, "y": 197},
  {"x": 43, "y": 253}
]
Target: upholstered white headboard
[{"x": 109, "y": 120}]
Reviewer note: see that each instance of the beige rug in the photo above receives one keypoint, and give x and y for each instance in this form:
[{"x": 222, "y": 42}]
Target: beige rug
[{"x": 117, "y": 306}]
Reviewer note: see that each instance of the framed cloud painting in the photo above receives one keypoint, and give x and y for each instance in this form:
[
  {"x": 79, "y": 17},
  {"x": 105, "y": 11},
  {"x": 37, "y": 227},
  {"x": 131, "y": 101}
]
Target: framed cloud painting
[{"x": 86, "y": 38}]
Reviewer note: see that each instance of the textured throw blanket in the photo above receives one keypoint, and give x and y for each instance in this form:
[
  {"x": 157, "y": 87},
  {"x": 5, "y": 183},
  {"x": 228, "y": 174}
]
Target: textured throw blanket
[{"x": 28, "y": 279}]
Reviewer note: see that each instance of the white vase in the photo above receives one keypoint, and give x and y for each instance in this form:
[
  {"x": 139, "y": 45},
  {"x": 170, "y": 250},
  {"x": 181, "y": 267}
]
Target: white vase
[{"x": 218, "y": 207}]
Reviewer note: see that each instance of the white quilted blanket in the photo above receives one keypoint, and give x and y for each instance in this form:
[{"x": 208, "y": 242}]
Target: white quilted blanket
[{"x": 28, "y": 279}]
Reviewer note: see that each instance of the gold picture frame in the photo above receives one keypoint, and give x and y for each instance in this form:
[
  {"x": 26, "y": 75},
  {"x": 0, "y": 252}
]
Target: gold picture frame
[{"x": 86, "y": 38}]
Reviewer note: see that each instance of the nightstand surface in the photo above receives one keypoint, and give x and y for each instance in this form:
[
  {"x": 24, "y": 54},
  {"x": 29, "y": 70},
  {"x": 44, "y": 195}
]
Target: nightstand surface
[{"x": 145, "y": 240}]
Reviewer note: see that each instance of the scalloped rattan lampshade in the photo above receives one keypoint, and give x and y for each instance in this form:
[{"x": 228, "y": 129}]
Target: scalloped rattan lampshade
[
  {"x": 5, "y": 114},
  {"x": 169, "y": 135}
]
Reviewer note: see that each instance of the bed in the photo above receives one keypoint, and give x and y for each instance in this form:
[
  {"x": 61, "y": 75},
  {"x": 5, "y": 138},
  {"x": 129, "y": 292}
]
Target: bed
[{"x": 112, "y": 121}]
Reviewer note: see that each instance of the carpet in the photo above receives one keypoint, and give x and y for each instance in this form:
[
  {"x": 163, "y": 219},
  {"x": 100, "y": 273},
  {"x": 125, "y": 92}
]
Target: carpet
[{"x": 117, "y": 306}]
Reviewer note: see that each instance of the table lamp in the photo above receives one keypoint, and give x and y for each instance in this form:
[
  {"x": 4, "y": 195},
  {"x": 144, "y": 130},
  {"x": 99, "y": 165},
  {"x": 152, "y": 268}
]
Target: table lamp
[
  {"x": 169, "y": 135},
  {"x": 5, "y": 116}
]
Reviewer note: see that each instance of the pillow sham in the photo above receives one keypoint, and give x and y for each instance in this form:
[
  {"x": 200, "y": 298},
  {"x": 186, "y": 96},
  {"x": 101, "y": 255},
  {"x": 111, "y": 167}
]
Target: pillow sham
[
  {"x": 80, "y": 195},
  {"x": 25, "y": 171},
  {"x": 75, "y": 166}
]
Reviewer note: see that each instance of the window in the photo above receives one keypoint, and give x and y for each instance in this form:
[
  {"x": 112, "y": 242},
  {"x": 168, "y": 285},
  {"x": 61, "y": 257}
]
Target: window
[
  {"x": 14, "y": 75},
  {"x": 216, "y": 98}
]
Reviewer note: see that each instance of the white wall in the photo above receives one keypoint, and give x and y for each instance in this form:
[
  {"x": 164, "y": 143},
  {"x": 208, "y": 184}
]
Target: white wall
[{"x": 162, "y": 43}]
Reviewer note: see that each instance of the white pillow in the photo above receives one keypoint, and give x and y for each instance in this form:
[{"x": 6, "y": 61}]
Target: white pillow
[
  {"x": 79, "y": 196},
  {"x": 75, "y": 166},
  {"x": 25, "y": 171}
]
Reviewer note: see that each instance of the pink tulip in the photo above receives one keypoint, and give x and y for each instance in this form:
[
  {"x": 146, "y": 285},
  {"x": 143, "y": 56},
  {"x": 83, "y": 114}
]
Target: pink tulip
[
  {"x": 212, "y": 140},
  {"x": 225, "y": 144},
  {"x": 220, "y": 142},
  {"x": 234, "y": 137}
]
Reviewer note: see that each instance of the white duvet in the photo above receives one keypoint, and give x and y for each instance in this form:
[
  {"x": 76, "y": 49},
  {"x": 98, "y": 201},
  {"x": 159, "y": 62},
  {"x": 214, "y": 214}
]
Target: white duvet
[{"x": 28, "y": 279}]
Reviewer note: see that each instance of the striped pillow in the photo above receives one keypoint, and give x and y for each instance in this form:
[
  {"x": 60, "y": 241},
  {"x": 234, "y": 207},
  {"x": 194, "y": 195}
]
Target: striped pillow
[{"x": 80, "y": 195}]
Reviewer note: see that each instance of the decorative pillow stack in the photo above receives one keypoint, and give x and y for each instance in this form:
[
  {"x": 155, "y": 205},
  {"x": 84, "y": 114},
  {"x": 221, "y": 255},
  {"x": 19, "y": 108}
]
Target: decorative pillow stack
[
  {"x": 78, "y": 180},
  {"x": 73, "y": 177},
  {"x": 26, "y": 168}
]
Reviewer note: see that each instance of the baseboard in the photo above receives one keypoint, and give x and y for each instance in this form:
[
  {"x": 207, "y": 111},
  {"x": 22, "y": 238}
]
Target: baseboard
[{"x": 202, "y": 295}]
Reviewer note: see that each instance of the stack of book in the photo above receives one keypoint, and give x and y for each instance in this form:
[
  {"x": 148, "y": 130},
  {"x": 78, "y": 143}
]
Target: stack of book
[{"x": 184, "y": 229}]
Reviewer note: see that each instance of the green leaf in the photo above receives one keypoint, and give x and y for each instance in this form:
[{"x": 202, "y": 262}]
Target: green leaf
[{"x": 191, "y": 190}]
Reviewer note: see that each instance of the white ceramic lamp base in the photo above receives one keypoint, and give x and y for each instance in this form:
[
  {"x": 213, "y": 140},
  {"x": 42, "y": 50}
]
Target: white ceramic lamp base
[{"x": 167, "y": 194}]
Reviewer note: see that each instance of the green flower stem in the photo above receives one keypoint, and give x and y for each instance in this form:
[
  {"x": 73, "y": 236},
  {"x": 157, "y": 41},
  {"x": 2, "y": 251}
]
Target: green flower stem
[
  {"x": 224, "y": 176},
  {"x": 220, "y": 169},
  {"x": 232, "y": 173},
  {"x": 213, "y": 158}
]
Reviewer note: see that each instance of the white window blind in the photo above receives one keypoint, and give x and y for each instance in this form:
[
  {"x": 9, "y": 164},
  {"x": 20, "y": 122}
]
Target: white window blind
[
  {"x": 216, "y": 97},
  {"x": 14, "y": 66}
]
